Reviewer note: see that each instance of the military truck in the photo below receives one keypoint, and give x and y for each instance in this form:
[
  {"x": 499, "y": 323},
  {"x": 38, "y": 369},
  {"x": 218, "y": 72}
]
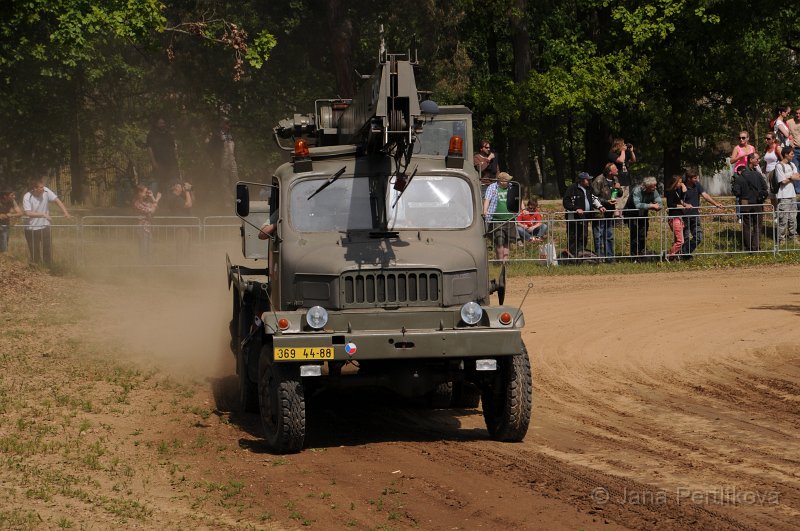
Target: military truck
[{"x": 376, "y": 266}]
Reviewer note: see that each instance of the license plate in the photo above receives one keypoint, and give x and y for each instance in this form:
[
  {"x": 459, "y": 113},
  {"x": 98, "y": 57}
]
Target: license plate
[{"x": 302, "y": 353}]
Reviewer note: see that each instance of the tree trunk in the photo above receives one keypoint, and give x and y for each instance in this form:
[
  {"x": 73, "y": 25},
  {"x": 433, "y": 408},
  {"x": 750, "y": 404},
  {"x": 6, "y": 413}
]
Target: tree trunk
[
  {"x": 76, "y": 166},
  {"x": 597, "y": 139},
  {"x": 552, "y": 131},
  {"x": 340, "y": 32},
  {"x": 519, "y": 156}
]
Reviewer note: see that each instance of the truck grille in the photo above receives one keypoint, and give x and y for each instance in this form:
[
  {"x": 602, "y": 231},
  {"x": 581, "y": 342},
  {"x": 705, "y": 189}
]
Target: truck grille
[{"x": 366, "y": 289}]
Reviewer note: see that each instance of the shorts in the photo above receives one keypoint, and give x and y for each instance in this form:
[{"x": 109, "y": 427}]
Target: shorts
[{"x": 503, "y": 233}]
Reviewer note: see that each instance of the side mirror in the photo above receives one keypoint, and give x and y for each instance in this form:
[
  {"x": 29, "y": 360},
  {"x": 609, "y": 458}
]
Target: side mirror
[
  {"x": 242, "y": 200},
  {"x": 512, "y": 200}
]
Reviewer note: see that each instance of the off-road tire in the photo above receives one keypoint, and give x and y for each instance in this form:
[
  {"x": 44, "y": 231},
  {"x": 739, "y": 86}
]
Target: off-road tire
[
  {"x": 441, "y": 397},
  {"x": 507, "y": 403},
  {"x": 466, "y": 395},
  {"x": 282, "y": 404},
  {"x": 248, "y": 390}
]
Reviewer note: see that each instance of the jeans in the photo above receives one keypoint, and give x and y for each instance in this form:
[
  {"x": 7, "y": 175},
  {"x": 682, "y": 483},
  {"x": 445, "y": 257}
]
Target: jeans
[
  {"x": 787, "y": 219},
  {"x": 603, "y": 232},
  {"x": 538, "y": 232},
  {"x": 4, "y": 229},
  {"x": 40, "y": 245},
  {"x": 676, "y": 224},
  {"x": 692, "y": 234}
]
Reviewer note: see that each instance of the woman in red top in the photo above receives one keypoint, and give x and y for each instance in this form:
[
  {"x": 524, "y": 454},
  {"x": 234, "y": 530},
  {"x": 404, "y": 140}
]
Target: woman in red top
[{"x": 741, "y": 151}]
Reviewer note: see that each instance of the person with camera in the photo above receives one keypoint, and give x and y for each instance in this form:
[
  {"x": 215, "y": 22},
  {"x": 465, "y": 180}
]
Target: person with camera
[
  {"x": 146, "y": 205},
  {"x": 485, "y": 162},
  {"x": 622, "y": 155}
]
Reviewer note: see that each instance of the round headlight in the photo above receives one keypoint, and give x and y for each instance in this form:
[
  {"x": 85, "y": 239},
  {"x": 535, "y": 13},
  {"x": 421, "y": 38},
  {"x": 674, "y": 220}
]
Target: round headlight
[
  {"x": 317, "y": 317},
  {"x": 471, "y": 313}
]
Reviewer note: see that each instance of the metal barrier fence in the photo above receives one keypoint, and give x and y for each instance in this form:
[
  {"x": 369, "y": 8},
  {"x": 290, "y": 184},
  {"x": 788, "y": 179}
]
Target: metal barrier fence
[
  {"x": 712, "y": 231},
  {"x": 120, "y": 241}
]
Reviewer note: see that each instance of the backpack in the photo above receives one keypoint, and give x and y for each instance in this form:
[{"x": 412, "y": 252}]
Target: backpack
[{"x": 772, "y": 179}]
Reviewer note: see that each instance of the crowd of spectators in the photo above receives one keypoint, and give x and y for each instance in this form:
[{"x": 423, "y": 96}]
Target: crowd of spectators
[{"x": 601, "y": 203}]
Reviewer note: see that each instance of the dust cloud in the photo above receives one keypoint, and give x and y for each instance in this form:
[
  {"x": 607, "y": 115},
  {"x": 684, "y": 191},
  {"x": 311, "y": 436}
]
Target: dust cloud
[{"x": 173, "y": 319}]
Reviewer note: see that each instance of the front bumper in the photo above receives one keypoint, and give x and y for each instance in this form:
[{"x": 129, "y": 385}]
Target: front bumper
[{"x": 402, "y": 334}]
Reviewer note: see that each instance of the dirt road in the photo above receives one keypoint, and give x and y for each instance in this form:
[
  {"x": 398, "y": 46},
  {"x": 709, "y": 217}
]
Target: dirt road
[{"x": 660, "y": 401}]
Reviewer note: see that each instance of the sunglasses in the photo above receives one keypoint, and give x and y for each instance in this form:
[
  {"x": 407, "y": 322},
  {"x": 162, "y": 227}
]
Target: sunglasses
[{"x": 742, "y": 138}]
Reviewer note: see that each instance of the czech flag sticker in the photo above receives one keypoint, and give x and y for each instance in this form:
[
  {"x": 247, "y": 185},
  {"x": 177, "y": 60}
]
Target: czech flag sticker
[{"x": 350, "y": 348}]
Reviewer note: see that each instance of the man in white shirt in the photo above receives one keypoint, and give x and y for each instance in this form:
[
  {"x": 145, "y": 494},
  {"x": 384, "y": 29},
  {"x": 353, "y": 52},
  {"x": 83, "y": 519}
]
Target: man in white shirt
[
  {"x": 786, "y": 175},
  {"x": 37, "y": 233}
]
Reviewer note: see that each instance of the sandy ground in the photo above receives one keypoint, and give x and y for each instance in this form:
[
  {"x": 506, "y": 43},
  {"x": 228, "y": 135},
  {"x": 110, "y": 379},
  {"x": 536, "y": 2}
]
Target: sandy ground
[{"x": 661, "y": 401}]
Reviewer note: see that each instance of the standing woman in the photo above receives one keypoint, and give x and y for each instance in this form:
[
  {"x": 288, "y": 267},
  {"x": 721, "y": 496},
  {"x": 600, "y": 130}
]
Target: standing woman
[
  {"x": 772, "y": 152},
  {"x": 779, "y": 127},
  {"x": 739, "y": 161},
  {"x": 676, "y": 203},
  {"x": 741, "y": 151},
  {"x": 622, "y": 155}
]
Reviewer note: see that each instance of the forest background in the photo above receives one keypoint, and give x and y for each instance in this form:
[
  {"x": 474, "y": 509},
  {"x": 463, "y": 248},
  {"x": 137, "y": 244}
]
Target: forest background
[{"x": 549, "y": 82}]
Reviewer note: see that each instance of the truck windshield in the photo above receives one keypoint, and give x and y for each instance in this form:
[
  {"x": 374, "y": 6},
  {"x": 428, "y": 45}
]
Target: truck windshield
[{"x": 429, "y": 202}]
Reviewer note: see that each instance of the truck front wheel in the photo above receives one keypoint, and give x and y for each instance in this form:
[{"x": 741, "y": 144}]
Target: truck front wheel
[
  {"x": 282, "y": 405},
  {"x": 507, "y": 400}
]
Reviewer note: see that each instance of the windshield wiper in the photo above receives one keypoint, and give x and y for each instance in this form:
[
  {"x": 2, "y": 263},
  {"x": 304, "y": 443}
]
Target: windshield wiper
[
  {"x": 330, "y": 181},
  {"x": 405, "y": 187}
]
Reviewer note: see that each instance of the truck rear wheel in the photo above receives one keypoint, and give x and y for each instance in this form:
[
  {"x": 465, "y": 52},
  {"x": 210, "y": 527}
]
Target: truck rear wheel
[
  {"x": 248, "y": 390},
  {"x": 507, "y": 400},
  {"x": 282, "y": 405}
]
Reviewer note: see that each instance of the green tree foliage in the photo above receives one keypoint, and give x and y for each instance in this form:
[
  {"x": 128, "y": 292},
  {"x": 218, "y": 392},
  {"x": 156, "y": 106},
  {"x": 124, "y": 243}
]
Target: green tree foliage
[{"x": 548, "y": 81}]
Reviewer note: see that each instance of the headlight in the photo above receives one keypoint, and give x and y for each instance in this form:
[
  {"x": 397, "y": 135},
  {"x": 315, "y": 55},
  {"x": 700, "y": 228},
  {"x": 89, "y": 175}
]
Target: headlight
[
  {"x": 317, "y": 317},
  {"x": 471, "y": 313}
]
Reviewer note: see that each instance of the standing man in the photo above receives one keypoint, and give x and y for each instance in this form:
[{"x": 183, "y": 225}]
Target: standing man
[
  {"x": 642, "y": 200},
  {"x": 794, "y": 129},
  {"x": 692, "y": 229},
  {"x": 9, "y": 209},
  {"x": 499, "y": 216},
  {"x": 607, "y": 188},
  {"x": 786, "y": 175},
  {"x": 751, "y": 191},
  {"x": 37, "y": 233},
  {"x": 485, "y": 162},
  {"x": 163, "y": 151},
  {"x": 578, "y": 202}
]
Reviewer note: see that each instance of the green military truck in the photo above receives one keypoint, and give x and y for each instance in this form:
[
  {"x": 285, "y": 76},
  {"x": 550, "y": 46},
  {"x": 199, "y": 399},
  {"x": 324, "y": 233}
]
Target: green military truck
[{"x": 376, "y": 267}]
